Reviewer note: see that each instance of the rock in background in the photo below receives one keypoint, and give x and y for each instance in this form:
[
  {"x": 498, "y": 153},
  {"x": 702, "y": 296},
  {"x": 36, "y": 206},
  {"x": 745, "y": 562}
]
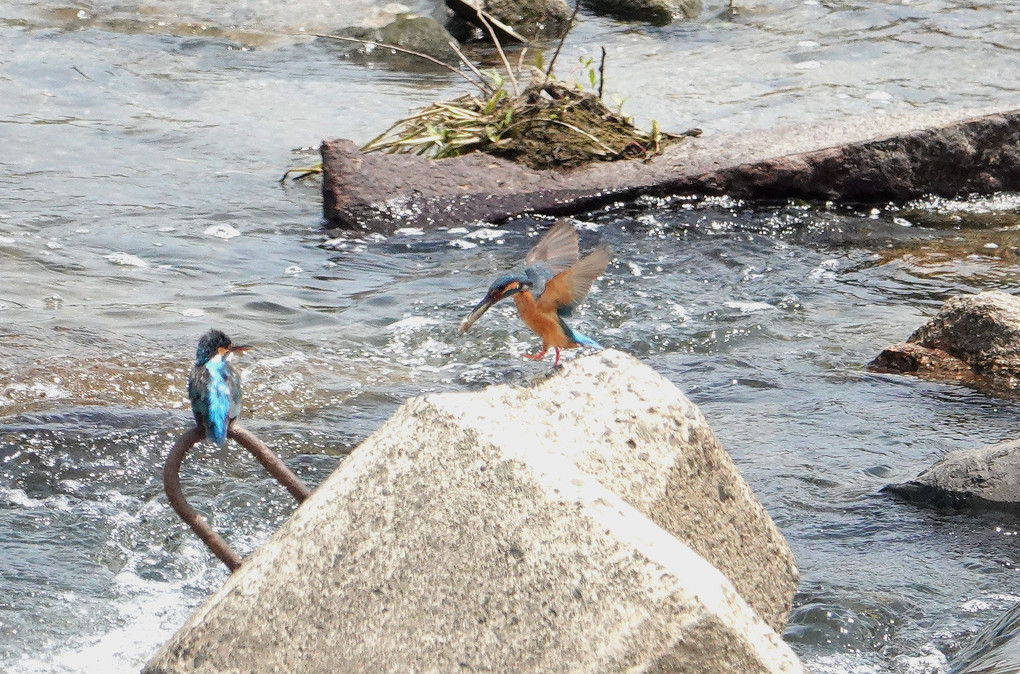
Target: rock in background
[
  {"x": 655, "y": 12},
  {"x": 988, "y": 477},
  {"x": 974, "y": 339},
  {"x": 421, "y": 34},
  {"x": 528, "y": 18},
  {"x": 548, "y": 528}
]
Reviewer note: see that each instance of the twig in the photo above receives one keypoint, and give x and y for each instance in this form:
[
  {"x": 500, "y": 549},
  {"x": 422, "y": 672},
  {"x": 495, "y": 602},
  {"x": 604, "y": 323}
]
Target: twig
[
  {"x": 480, "y": 85},
  {"x": 570, "y": 24},
  {"x": 520, "y": 58},
  {"x": 465, "y": 61},
  {"x": 602, "y": 72},
  {"x": 502, "y": 55}
]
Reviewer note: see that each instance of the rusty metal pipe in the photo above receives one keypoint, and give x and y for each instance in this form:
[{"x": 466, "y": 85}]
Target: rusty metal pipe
[
  {"x": 271, "y": 461},
  {"x": 198, "y": 524},
  {"x": 172, "y": 485}
]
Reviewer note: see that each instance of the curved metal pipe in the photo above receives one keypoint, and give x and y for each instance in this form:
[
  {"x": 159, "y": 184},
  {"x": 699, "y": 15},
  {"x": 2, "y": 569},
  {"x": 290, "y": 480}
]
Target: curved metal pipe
[
  {"x": 198, "y": 524},
  {"x": 172, "y": 485},
  {"x": 271, "y": 461}
]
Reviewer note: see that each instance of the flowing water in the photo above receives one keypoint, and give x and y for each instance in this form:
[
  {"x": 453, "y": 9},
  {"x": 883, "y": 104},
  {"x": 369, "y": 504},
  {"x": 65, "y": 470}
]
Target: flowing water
[{"x": 141, "y": 145}]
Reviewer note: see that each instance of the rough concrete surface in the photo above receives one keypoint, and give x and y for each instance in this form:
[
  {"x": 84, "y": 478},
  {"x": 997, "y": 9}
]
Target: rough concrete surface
[
  {"x": 857, "y": 160},
  {"x": 505, "y": 530},
  {"x": 973, "y": 339},
  {"x": 988, "y": 477}
]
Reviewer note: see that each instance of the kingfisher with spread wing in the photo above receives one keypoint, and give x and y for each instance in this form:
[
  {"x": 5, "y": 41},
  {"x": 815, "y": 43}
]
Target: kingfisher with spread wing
[{"x": 551, "y": 284}]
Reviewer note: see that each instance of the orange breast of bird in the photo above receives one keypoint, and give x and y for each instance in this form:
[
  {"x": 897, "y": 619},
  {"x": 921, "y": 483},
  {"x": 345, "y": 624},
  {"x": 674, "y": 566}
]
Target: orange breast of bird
[{"x": 545, "y": 324}]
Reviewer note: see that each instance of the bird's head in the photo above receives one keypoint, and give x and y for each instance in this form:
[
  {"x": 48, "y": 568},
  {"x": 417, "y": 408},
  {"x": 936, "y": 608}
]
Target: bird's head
[
  {"x": 504, "y": 286},
  {"x": 215, "y": 343}
]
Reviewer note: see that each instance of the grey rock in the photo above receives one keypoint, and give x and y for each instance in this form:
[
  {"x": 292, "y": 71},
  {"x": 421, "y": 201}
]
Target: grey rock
[
  {"x": 656, "y": 12},
  {"x": 529, "y": 18},
  {"x": 856, "y": 160},
  {"x": 988, "y": 477},
  {"x": 421, "y": 34},
  {"x": 983, "y": 330},
  {"x": 973, "y": 339},
  {"x": 546, "y": 528},
  {"x": 993, "y": 650}
]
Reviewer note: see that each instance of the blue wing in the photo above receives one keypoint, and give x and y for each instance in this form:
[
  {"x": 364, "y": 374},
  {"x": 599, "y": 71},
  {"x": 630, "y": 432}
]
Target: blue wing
[{"x": 215, "y": 393}]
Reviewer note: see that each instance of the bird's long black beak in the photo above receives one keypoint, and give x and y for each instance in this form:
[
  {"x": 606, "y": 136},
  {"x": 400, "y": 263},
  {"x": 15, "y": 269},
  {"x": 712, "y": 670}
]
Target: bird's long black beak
[
  {"x": 476, "y": 313},
  {"x": 238, "y": 347}
]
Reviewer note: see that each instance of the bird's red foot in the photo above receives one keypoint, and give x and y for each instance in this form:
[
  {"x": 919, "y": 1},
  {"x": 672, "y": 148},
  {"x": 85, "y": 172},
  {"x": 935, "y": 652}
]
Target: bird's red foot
[{"x": 540, "y": 355}]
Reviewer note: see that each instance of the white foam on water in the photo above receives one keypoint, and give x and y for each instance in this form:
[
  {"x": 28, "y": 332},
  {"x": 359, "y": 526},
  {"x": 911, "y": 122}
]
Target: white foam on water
[
  {"x": 221, "y": 231},
  {"x": 138, "y": 629},
  {"x": 282, "y": 361},
  {"x": 126, "y": 260},
  {"x": 843, "y": 664},
  {"x": 413, "y": 323},
  {"x": 39, "y": 389},
  {"x": 19, "y": 497},
  {"x": 749, "y": 307},
  {"x": 486, "y": 234}
]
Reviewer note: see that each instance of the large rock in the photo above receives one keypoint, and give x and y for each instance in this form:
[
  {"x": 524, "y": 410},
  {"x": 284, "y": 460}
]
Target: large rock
[
  {"x": 529, "y": 19},
  {"x": 656, "y": 12},
  {"x": 988, "y": 477},
  {"x": 420, "y": 34},
  {"x": 858, "y": 160},
  {"x": 974, "y": 339},
  {"x": 547, "y": 528}
]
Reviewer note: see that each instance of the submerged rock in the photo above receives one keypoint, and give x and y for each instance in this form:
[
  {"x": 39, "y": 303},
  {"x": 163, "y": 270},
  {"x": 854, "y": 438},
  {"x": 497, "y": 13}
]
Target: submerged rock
[
  {"x": 552, "y": 528},
  {"x": 974, "y": 339},
  {"x": 656, "y": 12},
  {"x": 988, "y": 477}
]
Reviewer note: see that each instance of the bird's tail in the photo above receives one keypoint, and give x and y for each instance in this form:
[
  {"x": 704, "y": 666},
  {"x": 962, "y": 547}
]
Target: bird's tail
[
  {"x": 217, "y": 433},
  {"x": 585, "y": 340}
]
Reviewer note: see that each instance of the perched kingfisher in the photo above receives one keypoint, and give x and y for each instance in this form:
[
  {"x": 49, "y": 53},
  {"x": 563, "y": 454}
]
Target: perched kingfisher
[
  {"x": 214, "y": 386},
  {"x": 552, "y": 282}
]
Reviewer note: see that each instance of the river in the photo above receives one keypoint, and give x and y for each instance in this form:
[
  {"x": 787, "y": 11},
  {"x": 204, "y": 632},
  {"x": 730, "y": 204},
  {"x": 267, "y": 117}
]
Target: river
[{"x": 140, "y": 205}]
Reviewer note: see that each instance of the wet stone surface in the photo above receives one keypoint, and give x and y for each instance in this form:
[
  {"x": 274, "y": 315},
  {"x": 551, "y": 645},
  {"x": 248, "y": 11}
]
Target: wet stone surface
[{"x": 851, "y": 161}]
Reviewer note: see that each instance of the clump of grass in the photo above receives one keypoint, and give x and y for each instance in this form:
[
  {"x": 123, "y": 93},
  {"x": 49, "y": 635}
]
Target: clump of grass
[{"x": 547, "y": 124}]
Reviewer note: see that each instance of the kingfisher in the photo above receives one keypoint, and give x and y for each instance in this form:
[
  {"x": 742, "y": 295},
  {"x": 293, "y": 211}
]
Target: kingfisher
[
  {"x": 214, "y": 386},
  {"x": 546, "y": 290}
]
